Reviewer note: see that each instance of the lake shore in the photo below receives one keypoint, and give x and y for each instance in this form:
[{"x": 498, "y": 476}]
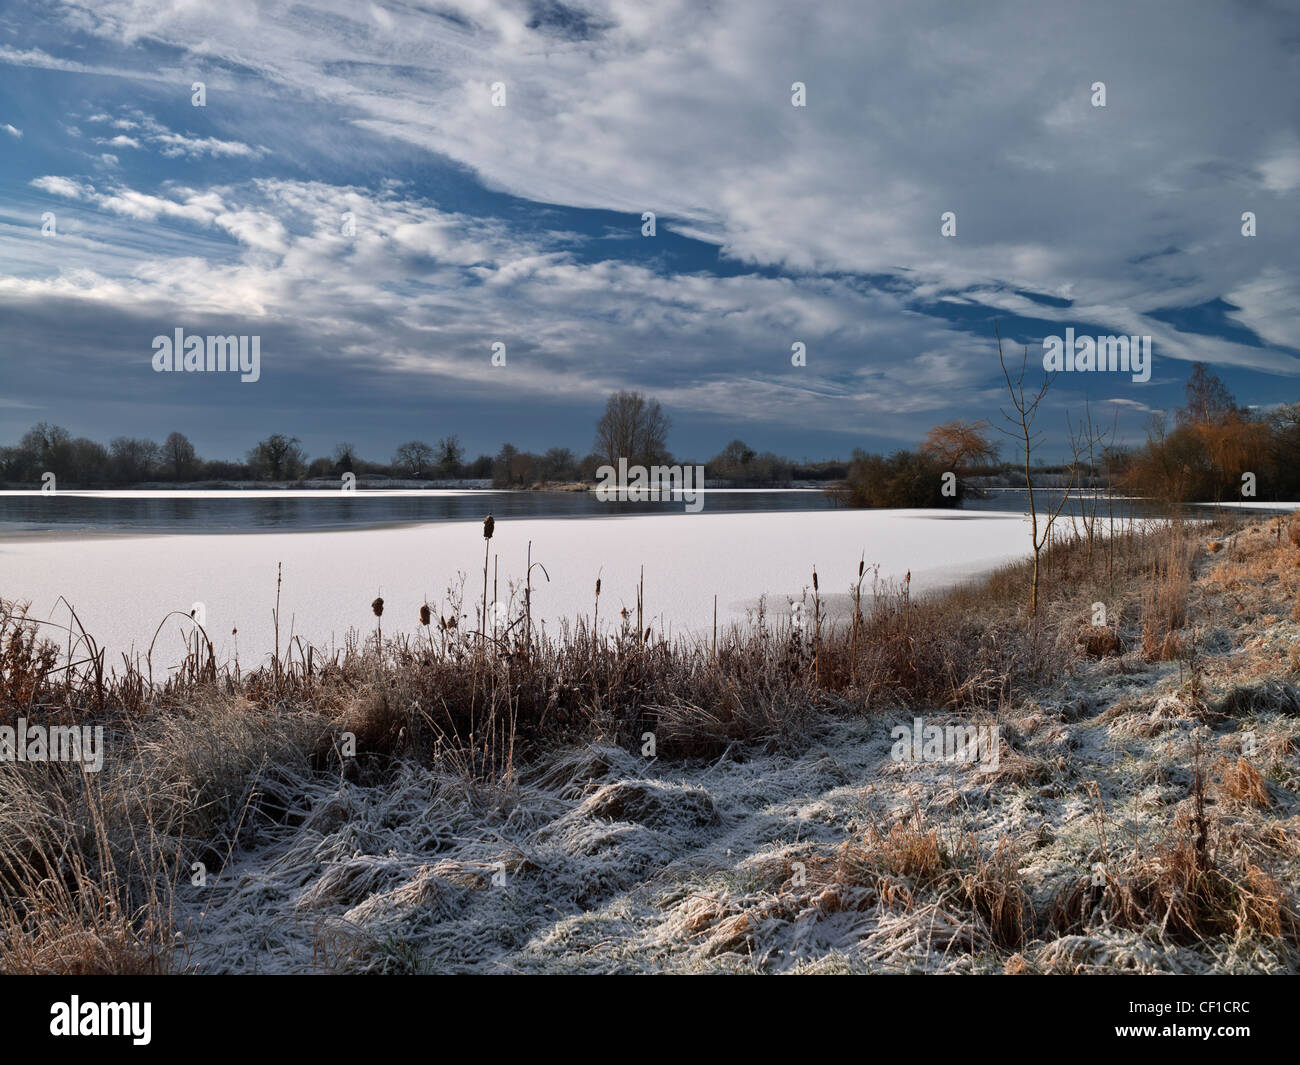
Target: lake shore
[{"x": 630, "y": 803}]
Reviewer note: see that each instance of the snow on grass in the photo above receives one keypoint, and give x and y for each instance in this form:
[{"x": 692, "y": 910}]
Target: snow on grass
[{"x": 602, "y": 861}]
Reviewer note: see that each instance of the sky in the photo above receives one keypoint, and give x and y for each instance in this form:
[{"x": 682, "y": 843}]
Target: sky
[{"x": 356, "y": 191}]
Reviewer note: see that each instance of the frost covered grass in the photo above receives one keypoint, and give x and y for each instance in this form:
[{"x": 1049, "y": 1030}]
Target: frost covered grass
[{"x": 479, "y": 796}]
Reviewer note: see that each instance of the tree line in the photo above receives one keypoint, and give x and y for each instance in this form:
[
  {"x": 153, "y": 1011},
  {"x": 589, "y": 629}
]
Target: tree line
[
  {"x": 1211, "y": 449},
  {"x": 632, "y": 426},
  {"x": 1198, "y": 454}
]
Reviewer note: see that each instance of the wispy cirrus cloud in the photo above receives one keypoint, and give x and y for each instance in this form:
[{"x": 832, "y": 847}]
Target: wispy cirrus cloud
[
  {"x": 819, "y": 223},
  {"x": 148, "y": 131}
]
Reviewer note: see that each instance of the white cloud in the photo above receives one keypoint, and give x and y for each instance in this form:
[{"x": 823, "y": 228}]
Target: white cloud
[
  {"x": 684, "y": 109},
  {"x": 1266, "y": 305},
  {"x": 61, "y": 186},
  {"x": 423, "y": 292}
]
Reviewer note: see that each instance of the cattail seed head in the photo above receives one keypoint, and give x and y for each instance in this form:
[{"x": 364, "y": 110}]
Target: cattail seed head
[
  {"x": 814, "y": 580},
  {"x": 597, "y": 587},
  {"x": 378, "y": 607},
  {"x": 488, "y": 525},
  {"x": 425, "y": 614}
]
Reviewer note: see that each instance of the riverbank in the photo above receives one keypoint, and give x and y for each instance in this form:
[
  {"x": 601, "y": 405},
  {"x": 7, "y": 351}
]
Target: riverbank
[{"x": 631, "y": 803}]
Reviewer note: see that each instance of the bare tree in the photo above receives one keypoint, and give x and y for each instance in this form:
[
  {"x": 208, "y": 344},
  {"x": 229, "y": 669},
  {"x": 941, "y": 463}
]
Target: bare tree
[
  {"x": 1022, "y": 432},
  {"x": 48, "y": 448},
  {"x": 1090, "y": 438},
  {"x": 415, "y": 458},
  {"x": 178, "y": 454},
  {"x": 277, "y": 457},
  {"x": 633, "y": 427},
  {"x": 134, "y": 459},
  {"x": 451, "y": 456},
  {"x": 1208, "y": 400},
  {"x": 959, "y": 445},
  {"x": 345, "y": 456}
]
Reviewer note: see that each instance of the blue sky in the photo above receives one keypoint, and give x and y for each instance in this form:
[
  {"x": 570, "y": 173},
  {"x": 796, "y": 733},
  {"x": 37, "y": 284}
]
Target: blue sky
[{"x": 522, "y": 224}]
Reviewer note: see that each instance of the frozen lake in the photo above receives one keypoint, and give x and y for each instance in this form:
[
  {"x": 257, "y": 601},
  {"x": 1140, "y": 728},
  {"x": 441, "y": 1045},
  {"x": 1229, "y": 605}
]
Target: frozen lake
[{"x": 122, "y": 586}]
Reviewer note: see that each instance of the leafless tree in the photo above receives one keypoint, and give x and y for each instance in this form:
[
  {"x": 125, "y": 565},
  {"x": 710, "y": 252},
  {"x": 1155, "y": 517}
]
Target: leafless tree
[
  {"x": 1022, "y": 432},
  {"x": 1090, "y": 438},
  {"x": 415, "y": 458},
  {"x": 179, "y": 455},
  {"x": 277, "y": 457},
  {"x": 633, "y": 427}
]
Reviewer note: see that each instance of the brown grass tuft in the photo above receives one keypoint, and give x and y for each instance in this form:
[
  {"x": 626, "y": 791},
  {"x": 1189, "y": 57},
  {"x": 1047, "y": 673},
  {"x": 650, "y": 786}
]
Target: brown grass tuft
[
  {"x": 1098, "y": 641},
  {"x": 1241, "y": 782}
]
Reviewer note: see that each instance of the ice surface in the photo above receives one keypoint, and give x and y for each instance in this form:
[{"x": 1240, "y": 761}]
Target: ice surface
[{"x": 122, "y": 587}]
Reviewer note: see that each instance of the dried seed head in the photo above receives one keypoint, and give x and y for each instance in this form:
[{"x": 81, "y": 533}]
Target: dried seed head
[
  {"x": 814, "y": 580},
  {"x": 425, "y": 614},
  {"x": 378, "y": 607},
  {"x": 597, "y": 587},
  {"x": 488, "y": 525}
]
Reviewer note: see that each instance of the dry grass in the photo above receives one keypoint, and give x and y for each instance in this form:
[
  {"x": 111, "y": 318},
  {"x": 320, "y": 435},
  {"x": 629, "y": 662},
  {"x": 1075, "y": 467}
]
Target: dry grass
[
  {"x": 1239, "y": 781},
  {"x": 996, "y": 891},
  {"x": 1098, "y": 641},
  {"x": 1183, "y": 887},
  {"x": 200, "y": 760},
  {"x": 1164, "y": 600},
  {"x": 1171, "y": 890},
  {"x": 95, "y": 903}
]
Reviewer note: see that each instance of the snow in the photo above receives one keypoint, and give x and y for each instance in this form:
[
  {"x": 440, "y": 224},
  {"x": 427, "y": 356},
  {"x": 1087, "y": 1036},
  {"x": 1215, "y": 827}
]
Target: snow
[
  {"x": 249, "y": 493},
  {"x": 122, "y": 587},
  {"x": 1253, "y": 504},
  {"x": 267, "y": 492}
]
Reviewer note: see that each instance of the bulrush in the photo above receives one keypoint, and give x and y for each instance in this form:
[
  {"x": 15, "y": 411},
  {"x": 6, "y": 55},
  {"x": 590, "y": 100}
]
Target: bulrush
[
  {"x": 378, "y": 607},
  {"x": 425, "y": 615},
  {"x": 488, "y": 526}
]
